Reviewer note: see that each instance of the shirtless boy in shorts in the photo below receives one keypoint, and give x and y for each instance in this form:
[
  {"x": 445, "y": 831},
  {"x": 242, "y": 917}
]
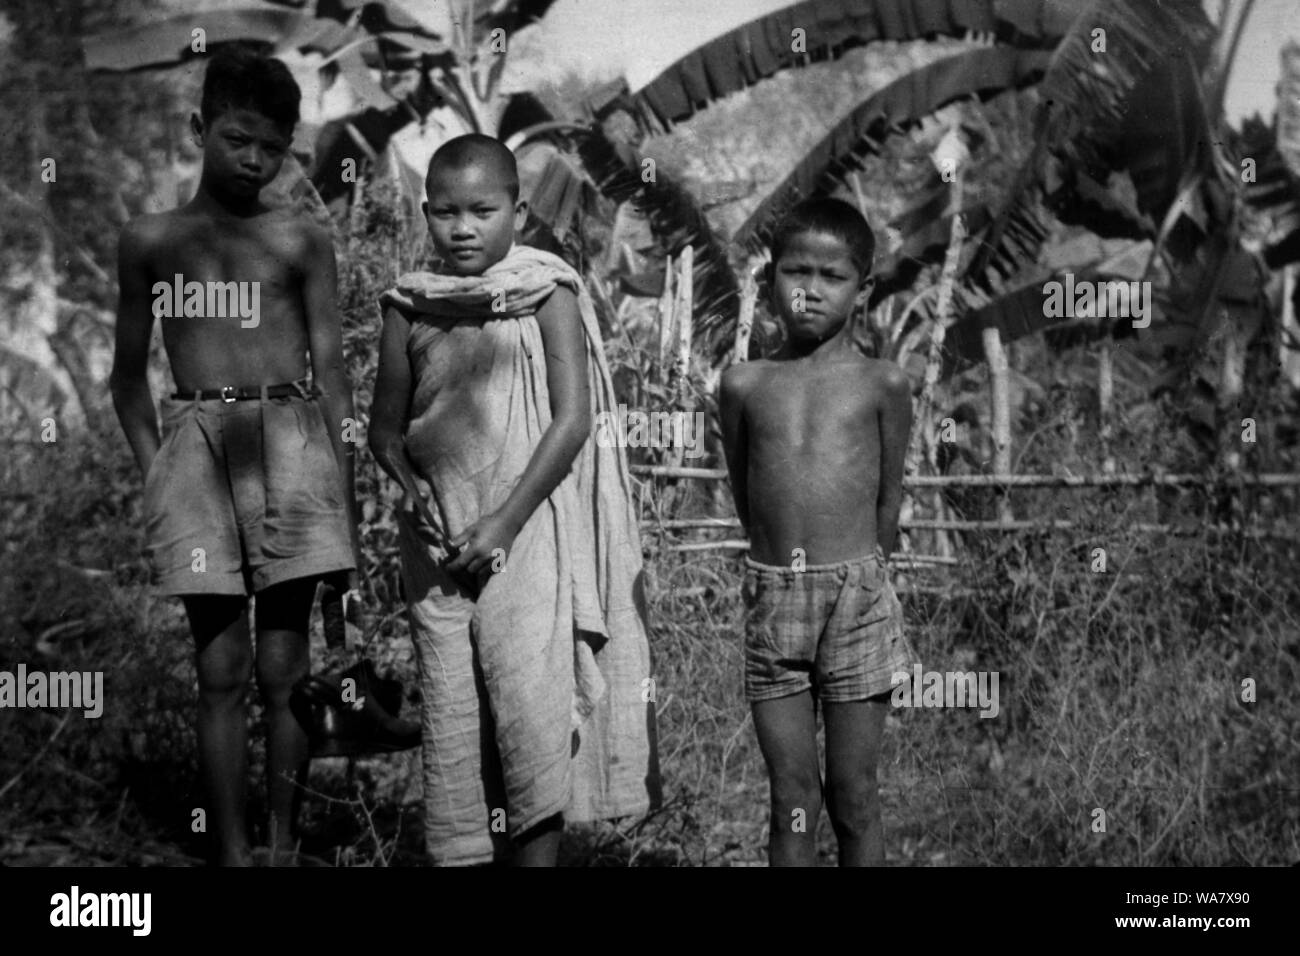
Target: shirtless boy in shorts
[
  {"x": 814, "y": 440},
  {"x": 250, "y": 488}
]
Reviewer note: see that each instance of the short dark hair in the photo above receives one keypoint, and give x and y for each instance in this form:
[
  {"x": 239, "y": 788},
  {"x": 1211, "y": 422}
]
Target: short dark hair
[
  {"x": 834, "y": 217},
  {"x": 475, "y": 148},
  {"x": 239, "y": 77}
]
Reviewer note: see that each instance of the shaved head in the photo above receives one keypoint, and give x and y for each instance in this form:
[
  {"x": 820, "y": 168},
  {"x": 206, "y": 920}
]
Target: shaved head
[{"x": 488, "y": 156}]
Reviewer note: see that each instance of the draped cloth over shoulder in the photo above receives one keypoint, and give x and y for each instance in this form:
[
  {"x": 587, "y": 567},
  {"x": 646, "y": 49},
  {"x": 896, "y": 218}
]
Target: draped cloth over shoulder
[{"x": 479, "y": 407}]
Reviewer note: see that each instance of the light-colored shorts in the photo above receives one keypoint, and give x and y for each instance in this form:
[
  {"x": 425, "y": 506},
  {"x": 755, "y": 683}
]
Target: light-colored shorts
[
  {"x": 836, "y": 629},
  {"x": 243, "y": 495}
]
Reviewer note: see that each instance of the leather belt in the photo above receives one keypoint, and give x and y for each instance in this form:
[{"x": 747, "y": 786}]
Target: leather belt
[{"x": 230, "y": 394}]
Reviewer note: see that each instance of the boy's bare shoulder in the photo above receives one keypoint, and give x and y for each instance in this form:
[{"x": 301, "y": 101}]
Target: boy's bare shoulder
[
  {"x": 890, "y": 375},
  {"x": 152, "y": 230},
  {"x": 738, "y": 379}
]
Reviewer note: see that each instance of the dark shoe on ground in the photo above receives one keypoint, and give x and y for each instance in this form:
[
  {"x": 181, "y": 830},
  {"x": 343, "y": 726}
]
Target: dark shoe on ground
[{"x": 365, "y": 723}]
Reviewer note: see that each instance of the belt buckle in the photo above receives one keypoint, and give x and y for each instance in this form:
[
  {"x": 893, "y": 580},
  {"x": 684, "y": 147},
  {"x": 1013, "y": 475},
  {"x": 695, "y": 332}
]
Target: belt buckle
[{"x": 228, "y": 394}]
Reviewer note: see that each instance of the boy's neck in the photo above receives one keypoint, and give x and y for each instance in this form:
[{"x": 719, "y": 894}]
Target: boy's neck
[
  {"x": 826, "y": 350},
  {"x": 214, "y": 200}
]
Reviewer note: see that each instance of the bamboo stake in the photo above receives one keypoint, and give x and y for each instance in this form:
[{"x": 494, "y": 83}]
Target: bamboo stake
[
  {"x": 996, "y": 356},
  {"x": 1289, "y": 354},
  {"x": 1106, "y": 400},
  {"x": 931, "y": 451},
  {"x": 942, "y": 317},
  {"x": 685, "y": 320},
  {"x": 665, "y": 314},
  {"x": 745, "y": 324}
]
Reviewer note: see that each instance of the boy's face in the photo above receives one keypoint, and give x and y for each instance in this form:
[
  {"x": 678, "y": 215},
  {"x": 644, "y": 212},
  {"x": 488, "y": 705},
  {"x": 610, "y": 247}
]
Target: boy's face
[
  {"x": 815, "y": 286},
  {"x": 242, "y": 150},
  {"x": 472, "y": 217}
]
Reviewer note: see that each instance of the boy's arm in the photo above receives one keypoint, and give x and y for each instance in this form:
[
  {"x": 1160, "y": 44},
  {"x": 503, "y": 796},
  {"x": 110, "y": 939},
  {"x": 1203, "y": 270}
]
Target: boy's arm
[
  {"x": 325, "y": 339},
  {"x": 731, "y": 406},
  {"x": 391, "y": 402},
  {"x": 564, "y": 342},
  {"x": 129, "y": 381},
  {"x": 895, "y": 425},
  {"x": 390, "y": 407}
]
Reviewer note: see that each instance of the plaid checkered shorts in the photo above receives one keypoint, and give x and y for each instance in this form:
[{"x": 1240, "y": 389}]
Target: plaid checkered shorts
[{"x": 834, "y": 628}]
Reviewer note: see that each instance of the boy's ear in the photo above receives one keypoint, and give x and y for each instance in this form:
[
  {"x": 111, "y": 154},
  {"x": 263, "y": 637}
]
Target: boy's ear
[
  {"x": 521, "y": 215},
  {"x": 196, "y": 127},
  {"x": 864, "y": 291}
]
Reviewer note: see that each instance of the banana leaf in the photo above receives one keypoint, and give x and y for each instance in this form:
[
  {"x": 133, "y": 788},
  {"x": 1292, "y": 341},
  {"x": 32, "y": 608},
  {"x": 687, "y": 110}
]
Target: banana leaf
[
  {"x": 1275, "y": 194},
  {"x": 763, "y": 47},
  {"x": 1022, "y": 312},
  {"x": 1085, "y": 96},
  {"x": 895, "y": 108},
  {"x": 676, "y": 220},
  {"x": 925, "y": 245},
  {"x": 167, "y": 41}
]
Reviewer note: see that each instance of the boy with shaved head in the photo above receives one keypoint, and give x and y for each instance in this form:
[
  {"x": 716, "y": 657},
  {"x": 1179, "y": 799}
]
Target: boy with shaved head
[{"x": 521, "y": 560}]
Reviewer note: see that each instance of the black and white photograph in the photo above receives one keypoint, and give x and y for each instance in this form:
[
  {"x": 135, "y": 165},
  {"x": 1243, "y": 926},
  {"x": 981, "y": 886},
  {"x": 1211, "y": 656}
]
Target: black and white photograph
[{"x": 651, "y": 433}]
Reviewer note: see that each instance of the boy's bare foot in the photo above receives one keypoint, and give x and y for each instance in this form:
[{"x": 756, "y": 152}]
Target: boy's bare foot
[
  {"x": 275, "y": 856},
  {"x": 540, "y": 846},
  {"x": 284, "y": 856},
  {"x": 236, "y": 856}
]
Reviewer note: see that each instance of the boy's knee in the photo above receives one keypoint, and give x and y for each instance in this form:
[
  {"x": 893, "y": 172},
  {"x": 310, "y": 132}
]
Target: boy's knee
[
  {"x": 853, "y": 806},
  {"x": 797, "y": 790},
  {"x": 280, "y": 665},
  {"x": 225, "y": 676}
]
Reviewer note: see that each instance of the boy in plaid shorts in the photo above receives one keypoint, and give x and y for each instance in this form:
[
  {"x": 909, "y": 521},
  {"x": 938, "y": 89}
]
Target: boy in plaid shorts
[{"x": 815, "y": 439}]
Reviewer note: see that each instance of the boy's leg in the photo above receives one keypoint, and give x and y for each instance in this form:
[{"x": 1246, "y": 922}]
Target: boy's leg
[
  {"x": 283, "y": 612},
  {"x": 787, "y": 736},
  {"x": 853, "y": 732},
  {"x": 224, "y": 661},
  {"x": 540, "y": 846}
]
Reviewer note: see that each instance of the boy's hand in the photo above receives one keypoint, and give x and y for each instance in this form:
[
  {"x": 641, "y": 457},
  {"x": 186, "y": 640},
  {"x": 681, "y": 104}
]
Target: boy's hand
[{"x": 484, "y": 546}]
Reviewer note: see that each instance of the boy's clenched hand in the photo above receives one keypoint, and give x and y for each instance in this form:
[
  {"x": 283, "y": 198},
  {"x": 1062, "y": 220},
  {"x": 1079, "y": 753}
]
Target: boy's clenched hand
[{"x": 484, "y": 546}]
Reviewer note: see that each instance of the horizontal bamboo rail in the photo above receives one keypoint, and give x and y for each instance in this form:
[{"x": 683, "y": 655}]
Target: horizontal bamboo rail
[
  {"x": 898, "y": 559},
  {"x": 1285, "y": 480},
  {"x": 926, "y": 524}
]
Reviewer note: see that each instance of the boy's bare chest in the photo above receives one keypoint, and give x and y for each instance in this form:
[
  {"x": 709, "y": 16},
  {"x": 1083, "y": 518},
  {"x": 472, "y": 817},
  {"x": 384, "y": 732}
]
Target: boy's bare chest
[
  {"x": 244, "y": 258},
  {"x": 811, "y": 409}
]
